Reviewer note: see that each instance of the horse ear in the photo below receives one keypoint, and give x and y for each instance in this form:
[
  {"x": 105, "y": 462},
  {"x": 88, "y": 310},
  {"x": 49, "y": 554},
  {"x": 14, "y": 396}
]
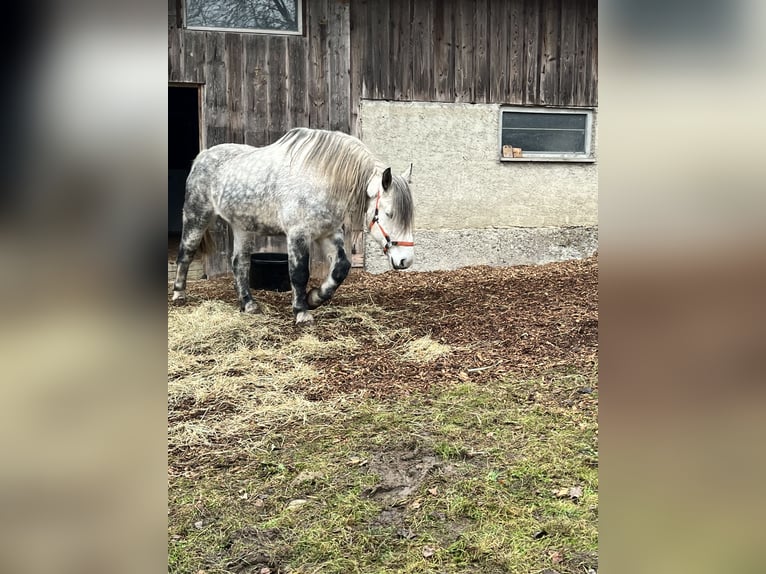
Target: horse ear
[
  {"x": 386, "y": 178},
  {"x": 407, "y": 175}
]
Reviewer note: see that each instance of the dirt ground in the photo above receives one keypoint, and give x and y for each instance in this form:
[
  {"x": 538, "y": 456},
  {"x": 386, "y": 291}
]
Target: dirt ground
[
  {"x": 523, "y": 320},
  {"x": 432, "y": 421}
]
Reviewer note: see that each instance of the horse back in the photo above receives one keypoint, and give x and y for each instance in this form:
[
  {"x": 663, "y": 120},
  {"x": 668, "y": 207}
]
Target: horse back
[
  {"x": 208, "y": 165},
  {"x": 213, "y": 158}
]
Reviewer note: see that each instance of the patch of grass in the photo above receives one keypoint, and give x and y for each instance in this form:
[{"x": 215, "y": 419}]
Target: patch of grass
[
  {"x": 467, "y": 478},
  {"x": 478, "y": 470},
  {"x": 450, "y": 450}
]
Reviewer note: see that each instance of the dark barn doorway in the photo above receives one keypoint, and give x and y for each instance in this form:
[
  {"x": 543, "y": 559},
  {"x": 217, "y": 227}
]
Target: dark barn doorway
[{"x": 183, "y": 147}]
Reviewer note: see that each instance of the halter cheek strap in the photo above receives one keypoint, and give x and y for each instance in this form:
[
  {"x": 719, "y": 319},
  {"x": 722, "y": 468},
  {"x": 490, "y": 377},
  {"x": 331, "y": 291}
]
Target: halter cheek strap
[{"x": 389, "y": 243}]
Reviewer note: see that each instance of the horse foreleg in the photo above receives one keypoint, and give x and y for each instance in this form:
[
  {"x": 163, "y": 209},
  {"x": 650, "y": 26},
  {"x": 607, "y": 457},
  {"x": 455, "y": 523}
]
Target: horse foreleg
[
  {"x": 339, "y": 268},
  {"x": 298, "y": 267},
  {"x": 240, "y": 264}
]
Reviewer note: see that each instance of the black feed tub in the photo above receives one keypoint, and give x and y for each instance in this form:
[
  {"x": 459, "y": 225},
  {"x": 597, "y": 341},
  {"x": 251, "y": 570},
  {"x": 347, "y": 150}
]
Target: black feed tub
[{"x": 268, "y": 271}]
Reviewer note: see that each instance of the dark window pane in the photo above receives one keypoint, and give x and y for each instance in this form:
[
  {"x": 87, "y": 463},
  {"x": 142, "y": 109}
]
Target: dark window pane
[
  {"x": 543, "y": 120},
  {"x": 277, "y": 15},
  {"x": 546, "y": 140}
]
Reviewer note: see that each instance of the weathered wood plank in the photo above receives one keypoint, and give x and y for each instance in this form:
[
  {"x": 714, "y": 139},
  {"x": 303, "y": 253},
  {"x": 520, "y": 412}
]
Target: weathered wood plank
[
  {"x": 531, "y": 70},
  {"x": 401, "y": 49},
  {"x": 358, "y": 19},
  {"x": 481, "y": 52},
  {"x": 381, "y": 58},
  {"x": 297, "y": 73},
  {"x": 193, "y": 56},
  {"x": 443, "y": 51},
  {"x": 338, "y": 53},
  {"x": 592, "y": 21},
  {"x": 251, "y": 76},
  {"x": 499, "y": 51},
  {"x": 422, "y": 56},
  {"x": 200, "y": 48},
  {"x": 464, "y": 48},
  {"x": 549, "y": 58},
  {"x": 174, "y": 54},
  {"x": 371, "y": 53},
  {"x": 178, "y": 10},
  {"x": 215, "y": 90},
  {"x": 568, "y": 55},
  {"x": 363, "y": 50},
  {"x": 581, "y": 51},
  {"x": 516, "y": 52},
  {"x": 318, "y": 73},
  {"x": 256, "y": 89},
  {"x": 319, "y": 264},
  {"x": 277, "y": 125},
  {"x": 233, "y": 56},
  {"x": 218, "y": 250}
]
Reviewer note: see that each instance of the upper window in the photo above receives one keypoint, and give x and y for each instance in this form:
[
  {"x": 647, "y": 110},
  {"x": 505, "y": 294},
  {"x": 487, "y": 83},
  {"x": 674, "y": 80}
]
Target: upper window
[
  {"x": 274, "y": 16},
  {"x": 546, "y": 134}
]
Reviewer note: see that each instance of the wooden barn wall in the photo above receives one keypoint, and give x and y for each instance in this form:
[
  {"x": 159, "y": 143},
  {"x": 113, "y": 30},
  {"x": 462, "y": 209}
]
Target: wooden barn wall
[
  {"x": 531, "y": 52},
  {"x": 255, "y": 87},
  {"x": 258, "y": 86}
]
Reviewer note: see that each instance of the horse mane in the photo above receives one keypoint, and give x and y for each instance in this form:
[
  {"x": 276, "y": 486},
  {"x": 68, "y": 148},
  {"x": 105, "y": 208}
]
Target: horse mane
[
  {"x": 404, "y": 207},
  {"x": 339, "y": 160}
]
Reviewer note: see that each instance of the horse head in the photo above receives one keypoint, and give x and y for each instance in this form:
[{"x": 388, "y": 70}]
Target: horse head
[{"x": 390, "y": 213}]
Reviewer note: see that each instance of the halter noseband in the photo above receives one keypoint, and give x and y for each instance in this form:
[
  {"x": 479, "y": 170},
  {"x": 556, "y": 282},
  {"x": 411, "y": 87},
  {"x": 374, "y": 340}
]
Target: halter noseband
[{"x": 389, "y": 243}]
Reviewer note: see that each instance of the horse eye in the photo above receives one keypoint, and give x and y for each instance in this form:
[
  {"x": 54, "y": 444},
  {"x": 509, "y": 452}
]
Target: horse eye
[{"x": 389, "y": 214}]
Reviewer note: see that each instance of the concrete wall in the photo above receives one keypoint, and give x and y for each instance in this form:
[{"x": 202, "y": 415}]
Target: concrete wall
[{"x": 471, "y": 208}]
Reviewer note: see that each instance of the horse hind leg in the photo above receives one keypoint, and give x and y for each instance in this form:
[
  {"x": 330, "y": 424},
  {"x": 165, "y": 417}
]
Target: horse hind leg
[
  {"x": 240, "y": 264},
  {"x": 194, "y": 227},
  {"x": 339, "y": 268}
]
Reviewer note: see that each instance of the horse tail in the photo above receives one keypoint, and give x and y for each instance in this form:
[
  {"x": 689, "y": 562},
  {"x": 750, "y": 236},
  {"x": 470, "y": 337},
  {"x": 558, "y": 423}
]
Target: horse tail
[
  {"x": 207, "y": 243},
  {"x": 198, "y": 203},
  {"x": 198, "y": 208}
]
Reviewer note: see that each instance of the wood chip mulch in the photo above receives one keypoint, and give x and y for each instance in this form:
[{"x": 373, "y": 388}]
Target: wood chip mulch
[{"x": 498, "y": 321}]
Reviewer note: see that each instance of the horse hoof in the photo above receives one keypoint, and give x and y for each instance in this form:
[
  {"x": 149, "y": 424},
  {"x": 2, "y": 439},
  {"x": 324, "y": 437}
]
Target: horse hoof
[
  {"x": 304, "y": 318},
  {"x": 251, "y": 307},
  {"x": 313, "y": 299},
  {"x": 179, "y": 297}
]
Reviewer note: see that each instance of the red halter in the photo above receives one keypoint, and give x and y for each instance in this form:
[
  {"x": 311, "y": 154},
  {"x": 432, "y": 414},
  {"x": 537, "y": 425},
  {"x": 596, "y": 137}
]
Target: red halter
[{"x": 389, "y": 243}]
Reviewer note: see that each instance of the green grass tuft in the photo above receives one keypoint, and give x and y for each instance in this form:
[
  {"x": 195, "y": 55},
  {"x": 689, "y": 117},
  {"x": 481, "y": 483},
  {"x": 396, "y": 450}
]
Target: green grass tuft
[{"x": 471, "y": 476}]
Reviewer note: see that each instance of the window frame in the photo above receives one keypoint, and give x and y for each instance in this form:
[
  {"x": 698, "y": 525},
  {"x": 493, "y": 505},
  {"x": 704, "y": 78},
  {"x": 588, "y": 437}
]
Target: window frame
[
  {"x": 540, "y": 156},
  {"x": 298, "y": 32}
]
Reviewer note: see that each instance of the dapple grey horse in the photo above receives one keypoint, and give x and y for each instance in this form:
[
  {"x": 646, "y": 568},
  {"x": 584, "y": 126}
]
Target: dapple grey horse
[{"x": 303, "y": 186}]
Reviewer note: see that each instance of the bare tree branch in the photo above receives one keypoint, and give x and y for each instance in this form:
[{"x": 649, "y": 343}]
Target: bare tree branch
[
  {"x": 257, "y": 14},
  {"x": 285, "y": 14}
]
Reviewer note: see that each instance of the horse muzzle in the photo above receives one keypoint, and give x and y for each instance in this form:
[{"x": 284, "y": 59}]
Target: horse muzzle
[{"x": 400, "y": 259}]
